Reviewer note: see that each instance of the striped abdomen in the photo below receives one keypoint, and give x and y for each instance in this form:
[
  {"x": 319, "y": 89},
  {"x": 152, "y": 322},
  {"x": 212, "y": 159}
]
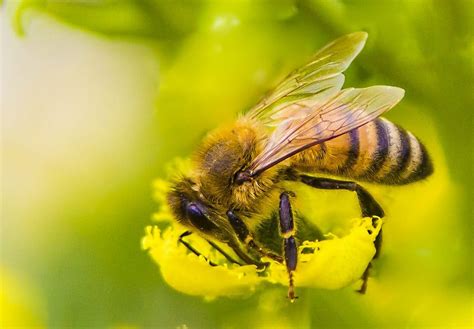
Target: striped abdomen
[{"x": 379, "y": 152}]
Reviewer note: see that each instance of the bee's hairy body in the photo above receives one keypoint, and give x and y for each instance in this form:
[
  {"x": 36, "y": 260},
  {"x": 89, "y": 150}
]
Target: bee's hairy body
[
  {"x": 307, "y": 126},
  {"x": 378, "y": 152}
]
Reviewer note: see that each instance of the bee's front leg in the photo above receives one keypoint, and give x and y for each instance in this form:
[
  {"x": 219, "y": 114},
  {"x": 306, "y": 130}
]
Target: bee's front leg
[
  {"x": 191, "y": 248},
  {"x": 229, "y": 258},
  {"x": 290, "y": 250},
  {"x": 245, "y": 237}
]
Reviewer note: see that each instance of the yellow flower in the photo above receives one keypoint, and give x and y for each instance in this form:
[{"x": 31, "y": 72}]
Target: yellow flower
[
  {"x": 193, "y": 274},
  {"x": 337, "y": 262},
  {"x": 333, "y": 263}
]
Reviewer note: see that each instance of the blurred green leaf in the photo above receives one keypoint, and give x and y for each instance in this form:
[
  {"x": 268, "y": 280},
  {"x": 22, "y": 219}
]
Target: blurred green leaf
[
  {"x": 217, "y": 58},
  {"x": 121, "y": 18}
]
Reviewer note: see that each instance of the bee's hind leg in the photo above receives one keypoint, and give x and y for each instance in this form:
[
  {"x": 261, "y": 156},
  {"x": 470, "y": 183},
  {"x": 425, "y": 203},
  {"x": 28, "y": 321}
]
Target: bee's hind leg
[
  {"x": 378, "y": 247},
  {"x": 287, "y": 231},
  {"x": 368, "y": 206}
]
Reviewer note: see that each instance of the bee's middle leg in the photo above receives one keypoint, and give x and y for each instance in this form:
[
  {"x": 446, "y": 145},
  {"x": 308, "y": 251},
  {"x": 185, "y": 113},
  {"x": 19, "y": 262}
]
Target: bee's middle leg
[
  {"x": 287, "y": 231},
  {"x": 368, "y": 206}
]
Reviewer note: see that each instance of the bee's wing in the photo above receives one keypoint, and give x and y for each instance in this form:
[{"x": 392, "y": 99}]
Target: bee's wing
[
  {"x": 318, "y": 79},
  {"x": 308, "y": 122}
]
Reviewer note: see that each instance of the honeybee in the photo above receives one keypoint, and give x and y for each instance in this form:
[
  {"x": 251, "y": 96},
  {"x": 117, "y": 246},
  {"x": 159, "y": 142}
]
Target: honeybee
[{"x": 306, "y": 126}]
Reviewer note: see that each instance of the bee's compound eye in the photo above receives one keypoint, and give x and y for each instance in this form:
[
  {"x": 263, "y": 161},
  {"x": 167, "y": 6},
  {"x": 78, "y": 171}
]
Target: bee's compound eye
[
  {"x": 198, "y": 218},
  {"x": 194, "y": 211}
]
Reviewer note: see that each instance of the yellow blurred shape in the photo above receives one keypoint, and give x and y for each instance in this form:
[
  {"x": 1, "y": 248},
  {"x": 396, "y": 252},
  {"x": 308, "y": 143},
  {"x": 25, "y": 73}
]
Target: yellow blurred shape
[{"x": 21, "y": 305}]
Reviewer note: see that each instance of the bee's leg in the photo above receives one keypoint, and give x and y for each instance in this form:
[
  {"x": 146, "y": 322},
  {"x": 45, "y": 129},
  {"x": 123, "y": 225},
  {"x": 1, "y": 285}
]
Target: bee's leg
[
  {"x": 369, "y": 208},
  {"x": 192, "y": 249},
  {"x": 378, "y": 247},
  {"x": 246, "y": 258},
  {"x": 245, "y": 237},
  {"x": 287, "y": 230},
  {"x": 223, "y": 253},
  {"x": 234, "y": 247}
]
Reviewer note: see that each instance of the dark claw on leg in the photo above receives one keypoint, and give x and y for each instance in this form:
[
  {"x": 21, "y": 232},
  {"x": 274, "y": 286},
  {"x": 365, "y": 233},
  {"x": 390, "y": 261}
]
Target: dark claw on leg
[{"x": 365, "y": 278}]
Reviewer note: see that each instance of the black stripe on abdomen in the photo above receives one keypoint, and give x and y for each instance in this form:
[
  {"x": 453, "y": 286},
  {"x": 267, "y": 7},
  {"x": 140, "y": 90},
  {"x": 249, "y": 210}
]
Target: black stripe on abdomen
[
  {"x": 399, "y": 165},
  {"x": 415, "y": 162},
  {"x": 381, "y": 151},
  {"x": 405, "y": 151},
  {"x": 423, "y": 169},
  {"x": 353, "y": 152}
]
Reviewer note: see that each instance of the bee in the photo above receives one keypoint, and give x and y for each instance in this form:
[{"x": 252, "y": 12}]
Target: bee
[{"x": 304, "y": 130}]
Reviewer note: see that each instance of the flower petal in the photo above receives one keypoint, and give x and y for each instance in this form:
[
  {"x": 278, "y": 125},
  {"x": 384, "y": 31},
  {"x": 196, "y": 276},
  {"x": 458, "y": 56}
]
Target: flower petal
[
  {"x": 193, "y": 275},
  {"x": 339, "y": 262}
]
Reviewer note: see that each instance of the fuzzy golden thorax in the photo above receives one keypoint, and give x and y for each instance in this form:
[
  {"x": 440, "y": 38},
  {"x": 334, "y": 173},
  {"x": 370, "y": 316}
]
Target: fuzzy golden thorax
[
  {"x": 202, "y": 199},
  {"x": 222, "y": 155}
]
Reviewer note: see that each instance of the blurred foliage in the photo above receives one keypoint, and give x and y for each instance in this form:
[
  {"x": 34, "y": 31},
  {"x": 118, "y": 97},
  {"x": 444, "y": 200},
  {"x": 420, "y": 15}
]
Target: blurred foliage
[
  {"x": 19, "y": 300},
  {"x": 216, "y": 58},
  {"x": 122, "y": 18}
]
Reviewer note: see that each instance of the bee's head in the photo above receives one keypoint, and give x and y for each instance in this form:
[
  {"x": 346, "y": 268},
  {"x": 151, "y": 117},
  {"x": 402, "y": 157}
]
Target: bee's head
[{"x": 190, "y": 210}]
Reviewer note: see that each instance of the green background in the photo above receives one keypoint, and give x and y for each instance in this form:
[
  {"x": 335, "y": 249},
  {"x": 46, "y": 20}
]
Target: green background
[{"x": 71, "y": 252}]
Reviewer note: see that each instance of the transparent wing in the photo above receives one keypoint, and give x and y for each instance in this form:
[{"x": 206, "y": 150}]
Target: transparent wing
[
  {"x": 314, "y": 122},
  {"x": 319, "y": 79}
]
